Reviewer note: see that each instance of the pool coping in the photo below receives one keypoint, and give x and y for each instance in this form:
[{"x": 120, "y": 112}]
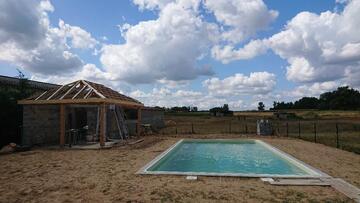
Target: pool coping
[{"x": 313, "y": 172}]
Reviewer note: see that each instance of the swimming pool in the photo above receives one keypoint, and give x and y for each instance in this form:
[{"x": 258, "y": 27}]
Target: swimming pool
[{"x": 228, "y": 157}]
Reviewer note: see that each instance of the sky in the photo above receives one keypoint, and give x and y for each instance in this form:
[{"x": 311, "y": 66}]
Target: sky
[{"x": 202, "y": 53}]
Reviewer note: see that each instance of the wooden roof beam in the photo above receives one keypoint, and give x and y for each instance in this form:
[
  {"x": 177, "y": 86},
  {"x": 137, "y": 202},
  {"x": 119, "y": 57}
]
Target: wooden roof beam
[
  {"x": 98, "y": 93},
  {"x": 79, "y": 92},
  {"x": 41, "y": 95},
  {"x": 67, "y": 92}
]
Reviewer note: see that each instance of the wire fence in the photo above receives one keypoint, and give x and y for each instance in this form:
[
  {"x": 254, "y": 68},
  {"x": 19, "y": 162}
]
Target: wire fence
[{"x": 343, "y": 134}]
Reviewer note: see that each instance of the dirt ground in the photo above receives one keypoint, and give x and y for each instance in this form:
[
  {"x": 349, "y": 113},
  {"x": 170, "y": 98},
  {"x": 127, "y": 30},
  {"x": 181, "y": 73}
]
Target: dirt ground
[{"x": 44, "y": 175}]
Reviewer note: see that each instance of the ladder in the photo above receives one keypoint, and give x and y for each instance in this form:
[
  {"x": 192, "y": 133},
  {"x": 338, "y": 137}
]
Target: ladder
[{"x": 120, "y": 119}]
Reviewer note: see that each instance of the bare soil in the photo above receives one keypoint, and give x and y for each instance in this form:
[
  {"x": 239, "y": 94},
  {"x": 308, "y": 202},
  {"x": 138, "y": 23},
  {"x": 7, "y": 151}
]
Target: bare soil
[{"x": 44, "y": 175}]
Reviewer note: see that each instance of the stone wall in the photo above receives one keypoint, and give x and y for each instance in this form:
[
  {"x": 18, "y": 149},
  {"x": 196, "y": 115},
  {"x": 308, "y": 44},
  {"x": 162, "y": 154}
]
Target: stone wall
[{"x": 41, "y": 124}]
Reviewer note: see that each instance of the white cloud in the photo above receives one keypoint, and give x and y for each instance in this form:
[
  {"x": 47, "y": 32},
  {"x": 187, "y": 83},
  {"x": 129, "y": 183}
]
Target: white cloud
[
  {"x": 313, "y": 90},
  {"x": 79, "y": 38},
  {"x": 243, "y": 17},
  {"x": 167, "y": 48},
  {"x": 239, "y": 84},
  {"x": 228, "y": 53},
  {"x": 28, "y": 41},
  {"x": 168, "y": 98},
  {"x": 151, "y": 4},
  {"x": 318, "y": 47}
]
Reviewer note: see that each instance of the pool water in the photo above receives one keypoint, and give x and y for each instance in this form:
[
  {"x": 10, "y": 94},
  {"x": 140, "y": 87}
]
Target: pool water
[{"x": 226, "y": 156}]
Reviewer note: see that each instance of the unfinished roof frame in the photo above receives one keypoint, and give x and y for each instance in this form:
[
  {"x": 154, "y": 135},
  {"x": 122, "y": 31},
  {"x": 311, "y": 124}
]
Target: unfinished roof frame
[{"x": 85, "y": 92}]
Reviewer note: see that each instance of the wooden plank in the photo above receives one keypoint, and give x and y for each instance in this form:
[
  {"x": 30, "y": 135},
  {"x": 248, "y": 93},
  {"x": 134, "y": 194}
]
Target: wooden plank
[
  {"x": 138, "y": 124},
  {"x": 135, "y": 142},
  {"x": 102, "y": 124},
  {"x": 62, "y": 125},
  {"x": 126, "y": 104}
]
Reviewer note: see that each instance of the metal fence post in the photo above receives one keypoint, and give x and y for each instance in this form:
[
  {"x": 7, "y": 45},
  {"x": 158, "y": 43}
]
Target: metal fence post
[
  {"x": 299, "y": 130},
  {"x": 192, "y": 128},
  {"x": 337, "y": 136},
  {"x": 246, "y": 128},
  {"x": 176, "y": 130},
  {"x": 315, "y": 132}
]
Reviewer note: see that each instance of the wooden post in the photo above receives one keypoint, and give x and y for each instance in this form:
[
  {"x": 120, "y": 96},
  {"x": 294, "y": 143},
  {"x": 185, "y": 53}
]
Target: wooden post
[
  {"x": 246, "y": 128},
  {"x": 192, "y": 128},
  {"x": 138, "y": 124},
  {"x": 102, "y": 122},
  {"x": 299, "y": 130},
  {"x": 315, "y": 132},
  {"x": 287, "y": 129},
  {"x": 62, "y": 125},
  {"x": 230, "y": 127},
  {"x": 337, "y": 136}
]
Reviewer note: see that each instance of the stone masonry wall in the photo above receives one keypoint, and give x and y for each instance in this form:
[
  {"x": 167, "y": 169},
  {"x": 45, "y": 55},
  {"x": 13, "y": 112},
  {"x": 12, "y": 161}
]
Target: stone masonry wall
[{"x": 41, "y": 124}]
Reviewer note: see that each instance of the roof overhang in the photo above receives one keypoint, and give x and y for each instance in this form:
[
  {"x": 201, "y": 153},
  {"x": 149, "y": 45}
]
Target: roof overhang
[{"x": 127, "y": 104}]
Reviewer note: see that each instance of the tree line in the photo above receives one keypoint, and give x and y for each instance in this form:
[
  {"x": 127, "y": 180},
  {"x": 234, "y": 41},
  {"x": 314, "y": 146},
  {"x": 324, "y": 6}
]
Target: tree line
[{"x": 343, "y": 98}]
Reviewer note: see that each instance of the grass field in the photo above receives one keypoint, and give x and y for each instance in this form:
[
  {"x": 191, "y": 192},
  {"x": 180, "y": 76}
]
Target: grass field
[{"x": 321, "y": 129}]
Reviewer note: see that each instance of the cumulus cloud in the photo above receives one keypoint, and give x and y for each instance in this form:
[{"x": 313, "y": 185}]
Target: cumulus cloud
[
  {"x": 228, "y": 53},
  {"x": 314, "y": 89},
  {"x": 243, "y": 18},
  {"x": 79, "y": 38},
  {"x": 166, "y": 48},
  {"x": 169, "y": 98},
  {"x": 151, "y": 4},
  {"x": 239, "y": 84},
  {"x": 28, "y": 41},
  {"x": 318, "y": 47}
]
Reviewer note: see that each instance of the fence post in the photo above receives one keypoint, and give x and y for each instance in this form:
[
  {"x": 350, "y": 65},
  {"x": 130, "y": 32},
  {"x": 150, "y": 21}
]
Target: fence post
[
  {"x": 278, "y": 130},
  {"x": 192, "y": 128},
  {"x": 287, "y": 129},
  {"x": 337, "y": 136},
  {"x": 315, "y": 132},
  {"x": 299, "y": 130},
  {"x": 176, "y": 131},
  {"x": 246, "y": 129},
  {"x": 230, "y": 127}
]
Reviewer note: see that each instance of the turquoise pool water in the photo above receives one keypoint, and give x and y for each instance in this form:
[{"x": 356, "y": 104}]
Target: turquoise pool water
[{"x": 225, "y": 156}]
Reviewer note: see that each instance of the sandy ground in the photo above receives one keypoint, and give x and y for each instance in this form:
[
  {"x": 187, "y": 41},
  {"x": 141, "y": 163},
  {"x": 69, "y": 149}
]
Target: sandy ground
[{"x": 109, "y": 176}]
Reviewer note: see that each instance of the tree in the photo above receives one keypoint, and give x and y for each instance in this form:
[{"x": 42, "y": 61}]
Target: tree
[
  {"x": 261, "y": 106},
  {"x": 343, "y": 98}
]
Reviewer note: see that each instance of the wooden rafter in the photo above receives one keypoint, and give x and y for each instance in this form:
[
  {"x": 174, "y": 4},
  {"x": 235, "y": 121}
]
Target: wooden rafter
[
  {"x": 55, "y": 92},
  {"x": 82, "y": 92},
  {"x": 40, "y": 95},
  {"x": 79, "y": 92},
  {"x": 67, "y": 92},
  {"x": 98, "y": 93},
  {"x": 87, "y": 95}
]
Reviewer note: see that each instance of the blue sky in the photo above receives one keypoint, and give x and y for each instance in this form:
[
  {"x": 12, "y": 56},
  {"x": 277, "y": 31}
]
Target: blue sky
[{"x": 187, "y": 52}]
